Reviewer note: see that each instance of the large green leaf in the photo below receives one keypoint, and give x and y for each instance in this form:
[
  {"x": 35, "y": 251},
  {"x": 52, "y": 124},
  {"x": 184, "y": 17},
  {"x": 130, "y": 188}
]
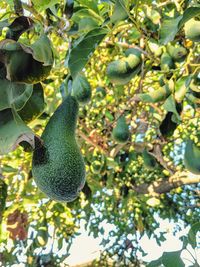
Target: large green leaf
[
  {"x": 82, "y": 51},
  {"x": 14, "y": 95},
  {"x": 188, "y": 14},
  {"x": 34, "y": 106},
  {"x": 169, "y": 29},
  {"x": 12, "y": 131},
  {"x": 192, "y": 235},
  {"x": 120, "y": 11},
  {"x": 181, "y": 88},
  {"x": 91, "y": 4},
  {"x": 170, "y": 259},
  {"x": 42, "y": 50},
  {"x": 44, "y": 4}
]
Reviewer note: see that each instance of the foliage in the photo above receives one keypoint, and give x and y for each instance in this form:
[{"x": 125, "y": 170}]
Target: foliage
[{"x": 46, "y": 49}]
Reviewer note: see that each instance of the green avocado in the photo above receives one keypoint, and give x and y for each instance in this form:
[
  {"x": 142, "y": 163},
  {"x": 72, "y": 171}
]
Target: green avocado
[
  {"x": 177, "y": 52},
  {"x": 81, "y": 89},
  {"x": 192, "y": 30},
  {"x": 166, "y": 62},
  {"x": 149, "y": 160},
  {"x": 192, "y": 157},
  {"x": 57, "y": 165},
  {"x": 100, "y": 92},
  {"x": 121, "y": 132},
  {"x": 121, "y": 71}
]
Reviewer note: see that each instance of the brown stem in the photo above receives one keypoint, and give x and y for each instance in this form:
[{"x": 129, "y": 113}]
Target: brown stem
[
  {"x": 91, "y": 142},
  {"x": 165, "y": 186}
]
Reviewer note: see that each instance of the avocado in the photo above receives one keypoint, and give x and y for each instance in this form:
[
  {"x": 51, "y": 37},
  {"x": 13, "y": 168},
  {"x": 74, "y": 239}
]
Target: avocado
[
  {"x": 100, "y": 92},
  {"x": 149, "y": 160},
  {"x": 81, "y": 89},
  {"x": 166, "y": 62},
  {"x": 192, "y": 157},
  {"x": 121, "y": 132},
  {"x": 177, "y": 52},
  {"x": 192, "y": 30},
  {"x": 121, "y": 71},
  {"x": 57, "y": 165}
]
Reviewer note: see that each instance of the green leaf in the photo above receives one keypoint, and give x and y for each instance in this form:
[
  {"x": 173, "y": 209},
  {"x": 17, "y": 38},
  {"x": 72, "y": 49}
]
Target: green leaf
[
  {"x": 82, "y": 51},
  {"x": 87, "y": 24},
  {"x": 12, "y": 131},
  {"x": 42, "y": 50},
  {"x": 169, "y": 29},
  {"x": 3, "y": 195},
  {"x": 44, "y": 4},
  {"x": 170, "y": 259},
  {"x": 155, "y": 263},
  {"x": 34, "y": 106},
  {"x": 91, "y": 4},
  {"x": 120, "y": 11},
  {"x": 170, "y": 106},
  {"x": 14, "y": 95},
  {"x": 188, "y": 14},
  {"x": 181, "y": 88},
  {"x": 193, "y": 233}
]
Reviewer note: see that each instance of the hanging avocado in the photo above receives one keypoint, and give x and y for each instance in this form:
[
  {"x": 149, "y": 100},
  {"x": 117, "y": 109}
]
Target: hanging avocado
[
  {"x": 192, "y": 30},
  {"x": 192, "y": 157},
  {"x": 57, "y": 165},
  {"x": 121, "y": 132}
]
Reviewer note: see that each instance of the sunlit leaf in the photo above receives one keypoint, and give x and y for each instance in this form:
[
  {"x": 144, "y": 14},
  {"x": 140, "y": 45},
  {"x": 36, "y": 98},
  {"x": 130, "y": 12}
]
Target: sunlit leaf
[{"x": 82, "y": 51}]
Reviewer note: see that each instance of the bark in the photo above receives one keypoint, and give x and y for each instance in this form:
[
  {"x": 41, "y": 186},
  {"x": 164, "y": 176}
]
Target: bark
[{"x": 165, "y": 186}]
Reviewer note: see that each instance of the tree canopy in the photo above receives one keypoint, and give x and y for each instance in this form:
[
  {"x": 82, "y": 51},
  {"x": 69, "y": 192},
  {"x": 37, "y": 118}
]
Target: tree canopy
[{"x": 134, "y": 68}]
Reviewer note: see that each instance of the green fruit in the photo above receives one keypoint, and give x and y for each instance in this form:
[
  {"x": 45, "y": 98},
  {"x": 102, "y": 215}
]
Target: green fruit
[
  {"x": 149, "y": 160},
  {"x": 100, "y": 92},
  {"x": 34, "y": 106},
  {"x": 166, "y": 62},
  {"x": 177, "y": 52},
  {"x": 57, "y": 165},
  {"x": 192, "y": 157},
  {"x": 156, "y": 96},
  {"x": 121, "y": 71},
  {"x": 121, "y": 131},
  {"x": 155, "y": 48},
  {"x": 81, "y": 89},
  {"x": 192, "y": 30}
]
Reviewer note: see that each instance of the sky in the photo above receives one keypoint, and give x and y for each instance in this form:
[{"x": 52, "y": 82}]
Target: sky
[{"x": 89, "y": 248}]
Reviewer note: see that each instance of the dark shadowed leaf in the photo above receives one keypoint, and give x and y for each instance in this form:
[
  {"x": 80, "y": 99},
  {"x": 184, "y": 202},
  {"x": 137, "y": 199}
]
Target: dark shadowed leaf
[
  {"x": 3, "y": 195},
  {"x": 19, "y": 26}
]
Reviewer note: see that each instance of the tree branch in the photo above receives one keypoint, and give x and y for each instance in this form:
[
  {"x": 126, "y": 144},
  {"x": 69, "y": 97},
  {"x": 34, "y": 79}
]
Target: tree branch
[{"x": 165, "y": 186}]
